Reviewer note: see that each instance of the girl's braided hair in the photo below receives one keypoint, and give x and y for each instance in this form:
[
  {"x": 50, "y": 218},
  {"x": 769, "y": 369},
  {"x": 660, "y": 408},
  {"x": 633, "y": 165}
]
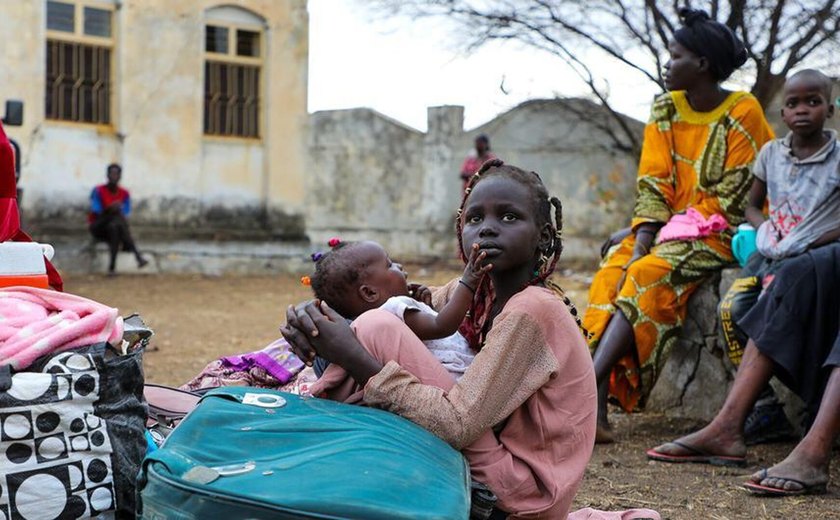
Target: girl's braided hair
[{"x": 473, "y": 325}]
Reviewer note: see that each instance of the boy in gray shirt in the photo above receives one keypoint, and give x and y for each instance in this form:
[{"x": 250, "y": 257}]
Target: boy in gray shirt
[{"x": 799, "y": 177}]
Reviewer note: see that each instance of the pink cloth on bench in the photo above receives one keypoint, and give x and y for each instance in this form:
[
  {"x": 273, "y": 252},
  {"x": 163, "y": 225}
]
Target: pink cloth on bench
[
  {"x": 690, "y": 225},
  {"x": 35, "y": 322}
]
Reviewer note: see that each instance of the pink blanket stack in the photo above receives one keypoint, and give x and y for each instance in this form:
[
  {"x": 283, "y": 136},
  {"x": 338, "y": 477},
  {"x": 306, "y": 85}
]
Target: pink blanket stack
[
  {"x": 691, "y": 225},
  {"x": 35, "y": 322}
]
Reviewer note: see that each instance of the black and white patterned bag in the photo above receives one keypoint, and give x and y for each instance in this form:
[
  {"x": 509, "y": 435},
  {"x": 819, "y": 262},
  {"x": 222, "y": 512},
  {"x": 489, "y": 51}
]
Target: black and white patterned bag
[{"x": 71, "y": 435}]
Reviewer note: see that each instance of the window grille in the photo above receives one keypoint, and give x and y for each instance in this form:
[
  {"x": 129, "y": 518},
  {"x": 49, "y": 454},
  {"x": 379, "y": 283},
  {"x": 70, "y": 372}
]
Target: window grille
[
  {"x": 232, "y": 70},
  {"x": 79, "y": 63}
]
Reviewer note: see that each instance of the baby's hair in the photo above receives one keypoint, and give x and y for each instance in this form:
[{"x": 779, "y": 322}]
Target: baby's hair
[
  {"x": 542, "y": 204},
  {"x": 817, "y": 77},
  {"x": 335, "y": 277}
]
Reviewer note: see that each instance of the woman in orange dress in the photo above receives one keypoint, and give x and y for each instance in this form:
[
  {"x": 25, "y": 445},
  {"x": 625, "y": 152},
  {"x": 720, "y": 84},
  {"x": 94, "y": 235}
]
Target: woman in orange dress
[{"x": 699, "y": 145}]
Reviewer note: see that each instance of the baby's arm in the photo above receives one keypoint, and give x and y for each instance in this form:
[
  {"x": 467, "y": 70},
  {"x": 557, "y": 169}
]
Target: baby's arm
[
  {"x": 755, "y": 203},
  {"x": 452, "y": 314}
]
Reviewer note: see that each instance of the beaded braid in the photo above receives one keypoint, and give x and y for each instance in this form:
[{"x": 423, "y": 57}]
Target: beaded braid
[{"x": 473, "y": 325}]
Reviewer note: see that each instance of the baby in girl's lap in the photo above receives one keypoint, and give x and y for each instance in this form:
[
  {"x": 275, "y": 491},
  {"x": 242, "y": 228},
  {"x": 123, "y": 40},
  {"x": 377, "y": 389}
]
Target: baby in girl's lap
[{"x": 357, "y": 277}]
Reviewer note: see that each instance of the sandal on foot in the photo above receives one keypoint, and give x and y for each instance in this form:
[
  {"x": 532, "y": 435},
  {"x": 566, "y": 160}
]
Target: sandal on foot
[
  {"x": 768, "y": 491},
  {"x": 696, "y": 455}
]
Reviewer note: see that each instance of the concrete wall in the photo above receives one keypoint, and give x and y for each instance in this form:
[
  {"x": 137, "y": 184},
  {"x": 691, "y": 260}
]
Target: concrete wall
[
  {"x": 376, "y": 178},
  {"x": 177, "y": 175}
]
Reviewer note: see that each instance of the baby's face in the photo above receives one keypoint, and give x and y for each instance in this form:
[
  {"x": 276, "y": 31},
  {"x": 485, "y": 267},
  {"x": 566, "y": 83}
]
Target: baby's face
[{"x": 387, "y": 276}]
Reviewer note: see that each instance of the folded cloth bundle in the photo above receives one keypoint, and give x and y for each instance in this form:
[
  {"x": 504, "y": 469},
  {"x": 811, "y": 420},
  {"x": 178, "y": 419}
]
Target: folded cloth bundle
[
  {"x": 690, "y": 225},
  {"x": 35, "y": 322},
  {"x": 272, "y": 367},
  {"x": 277, "y": 359}
]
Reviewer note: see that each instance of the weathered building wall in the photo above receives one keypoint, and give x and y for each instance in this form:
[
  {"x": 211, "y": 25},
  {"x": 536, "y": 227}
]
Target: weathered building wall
[
  {"x": 354, "y": 173},
  {"x": 177, "y": 174},
  {"x": 576, "y": 161},
  {"x": 373, "y": 177}
]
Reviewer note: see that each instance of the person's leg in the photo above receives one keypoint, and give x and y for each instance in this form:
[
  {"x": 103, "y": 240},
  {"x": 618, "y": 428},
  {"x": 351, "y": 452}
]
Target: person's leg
[
  {"x": 808, "y": 463},
  {"x": 597, "y": 319},
  {"x": 128, "y": 241},
  {"x": 616, "y": 342},
  {"x": 724, "y": 435},
  {"x": 644, "y": 293},
  {"x": 767, "y": 422},
  {"x": 735, "y": 304},
  {"x": 102, "y": 230},
  {"x": 112, "y": 231},
  {"x": 388, "y": 338}
]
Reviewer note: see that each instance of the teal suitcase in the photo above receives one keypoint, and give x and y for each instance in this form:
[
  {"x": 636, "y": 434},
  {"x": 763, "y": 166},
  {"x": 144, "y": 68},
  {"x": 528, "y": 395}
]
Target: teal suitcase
[{"x": 260, "y": 454}]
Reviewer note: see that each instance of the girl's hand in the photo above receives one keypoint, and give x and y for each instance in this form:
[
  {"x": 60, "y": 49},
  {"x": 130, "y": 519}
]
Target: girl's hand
[
  {"x": 335, "y": 340},
  {"x": 298, "y": 331},
  {"x": 475, "y": 271},
  {"x": 421, "y": 293}
]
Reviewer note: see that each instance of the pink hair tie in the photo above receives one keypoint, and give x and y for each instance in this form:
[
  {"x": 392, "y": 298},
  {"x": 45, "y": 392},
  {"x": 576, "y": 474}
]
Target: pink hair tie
[{"x": 334, "y": 242}]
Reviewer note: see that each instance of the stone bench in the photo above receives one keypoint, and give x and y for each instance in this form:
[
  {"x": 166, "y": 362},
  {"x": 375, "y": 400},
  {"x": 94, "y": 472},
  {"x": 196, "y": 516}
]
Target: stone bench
[
  {"x": 80, "y": 255},
  {"x": 698, "y": 374}
]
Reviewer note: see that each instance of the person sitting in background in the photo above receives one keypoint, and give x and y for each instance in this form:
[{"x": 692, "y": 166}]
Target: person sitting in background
[
  {"x": 694, "y": 173},
  {"x": 473, "y": 162},
  {"x": 110, "y": 206},
  {"x": 798, "y": 176}
]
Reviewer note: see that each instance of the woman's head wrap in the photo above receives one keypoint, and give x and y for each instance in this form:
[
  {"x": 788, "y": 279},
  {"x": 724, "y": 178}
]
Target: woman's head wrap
[{"x": 711, "y": 40}]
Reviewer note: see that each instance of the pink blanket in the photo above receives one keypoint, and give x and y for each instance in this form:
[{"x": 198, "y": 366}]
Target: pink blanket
[
  {"x": 691, "y": 225},
  {"x": 35, "y": 322}
]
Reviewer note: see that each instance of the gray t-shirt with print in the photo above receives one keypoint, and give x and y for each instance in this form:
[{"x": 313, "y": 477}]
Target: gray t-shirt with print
[{"x": 803, "y": 194}]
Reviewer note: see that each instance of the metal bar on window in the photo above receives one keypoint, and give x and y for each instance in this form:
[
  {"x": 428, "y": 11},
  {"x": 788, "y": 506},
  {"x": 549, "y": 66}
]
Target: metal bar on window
[
  {"x": 231, "y": 99},
  {"x": 78, "y": 82}
]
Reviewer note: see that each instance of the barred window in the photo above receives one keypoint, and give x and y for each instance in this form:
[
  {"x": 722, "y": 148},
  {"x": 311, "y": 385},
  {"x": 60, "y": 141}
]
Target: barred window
[
  {"x": 232, "y": 70},
  {"x": 79, "y": 61}
]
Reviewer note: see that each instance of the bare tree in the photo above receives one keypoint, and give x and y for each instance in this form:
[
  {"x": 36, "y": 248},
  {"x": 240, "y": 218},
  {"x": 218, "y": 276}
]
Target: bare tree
[{"x": 778, "y": 34}]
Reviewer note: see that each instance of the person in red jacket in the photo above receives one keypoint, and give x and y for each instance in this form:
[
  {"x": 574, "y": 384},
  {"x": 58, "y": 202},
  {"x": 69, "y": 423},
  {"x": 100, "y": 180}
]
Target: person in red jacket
[
  {"x": 9, "y": 216},
  {"x": 110, "y": 205}
]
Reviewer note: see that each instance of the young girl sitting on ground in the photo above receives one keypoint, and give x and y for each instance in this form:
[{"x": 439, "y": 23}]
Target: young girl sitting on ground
[
  {"x": 529, "y": 396},
  {"x": 356, "y": 277}
]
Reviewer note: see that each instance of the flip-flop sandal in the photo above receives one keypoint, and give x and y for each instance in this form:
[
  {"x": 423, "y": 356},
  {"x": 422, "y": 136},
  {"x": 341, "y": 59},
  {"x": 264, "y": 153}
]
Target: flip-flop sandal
[
  {"x": 697, "y": 456},
  {"x": 768, "y": 491}
]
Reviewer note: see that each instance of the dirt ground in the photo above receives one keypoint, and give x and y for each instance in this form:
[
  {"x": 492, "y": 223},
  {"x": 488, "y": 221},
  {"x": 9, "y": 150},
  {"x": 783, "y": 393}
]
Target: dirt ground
[{"x": 196, "y": 319}]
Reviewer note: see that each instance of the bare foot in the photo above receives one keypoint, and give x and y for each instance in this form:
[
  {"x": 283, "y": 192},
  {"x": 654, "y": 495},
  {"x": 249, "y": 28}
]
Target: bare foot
[
  {"x": 798, "y": 472},
  {"x": 711, "y": 440}
]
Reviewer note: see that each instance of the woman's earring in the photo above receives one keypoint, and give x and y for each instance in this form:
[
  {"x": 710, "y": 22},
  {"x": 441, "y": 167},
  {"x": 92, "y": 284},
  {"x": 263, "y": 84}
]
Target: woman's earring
[{"x": 541, "y": 261}]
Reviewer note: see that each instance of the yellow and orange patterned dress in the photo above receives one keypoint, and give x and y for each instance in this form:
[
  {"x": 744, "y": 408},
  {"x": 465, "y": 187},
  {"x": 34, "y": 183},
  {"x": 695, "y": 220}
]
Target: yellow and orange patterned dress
[{"x": 689, "y": 159}]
